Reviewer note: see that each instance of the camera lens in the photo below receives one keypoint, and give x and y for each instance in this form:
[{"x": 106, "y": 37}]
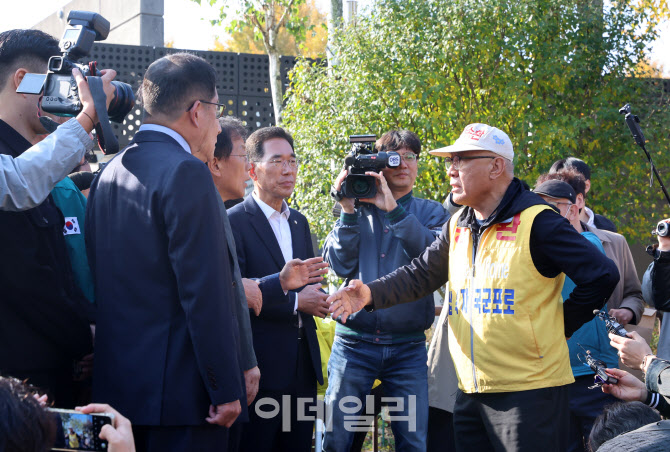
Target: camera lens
[
  {"x": 122, "y": 103},
  {"x": 662, "y": 229},
  {"x": 360, "y": 187}
]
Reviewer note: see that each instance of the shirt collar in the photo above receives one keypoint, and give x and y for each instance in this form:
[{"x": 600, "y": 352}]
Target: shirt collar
[
  {"x": 269, "y": 211},
  {"x": 589, "y": 213},
  {"x": 404, "y": 200},
  {"x": 166, "y": 130}
]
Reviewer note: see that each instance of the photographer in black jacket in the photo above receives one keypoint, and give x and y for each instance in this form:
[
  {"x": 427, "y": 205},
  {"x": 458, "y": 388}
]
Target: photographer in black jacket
[
  {"x": 44, "y": 317},
  {"x": 656, "y": 290}
]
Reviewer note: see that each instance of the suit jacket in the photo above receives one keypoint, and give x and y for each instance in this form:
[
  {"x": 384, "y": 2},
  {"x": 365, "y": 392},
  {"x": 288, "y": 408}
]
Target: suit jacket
[
  {"x": 275, "y": 329},
  {"x": 242, "y": 312},
  {"x": 166, "y": 338},
  {"x": 44, "y": 324}
]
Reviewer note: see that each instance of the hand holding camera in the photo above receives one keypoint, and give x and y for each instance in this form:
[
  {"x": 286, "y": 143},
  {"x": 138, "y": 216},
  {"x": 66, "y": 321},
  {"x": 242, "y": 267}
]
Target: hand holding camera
[
  {"x": 61, "y": 89},
  {"x": 88, "y": 113},
  {"x": 348, "y": 204},
  {"x": 383, "y": 199}
]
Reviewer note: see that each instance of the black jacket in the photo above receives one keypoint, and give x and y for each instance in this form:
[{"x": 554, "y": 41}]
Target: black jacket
[
  {"x": 605, "y": 223},
  {"x": 656, "y": 281},
  {"x": 555, "y": 247},
  {"x": 43, "y": 324}
]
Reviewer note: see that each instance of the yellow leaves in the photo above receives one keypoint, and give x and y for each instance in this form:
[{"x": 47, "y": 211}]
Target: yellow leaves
[{"x": 314, "y": 45}]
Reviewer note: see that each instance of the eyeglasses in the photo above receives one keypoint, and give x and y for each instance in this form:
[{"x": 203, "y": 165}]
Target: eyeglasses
[
  {"x": 409, "y": 157},
  {"x": 455, "y": 162},
  {"x": 292, "y": 163},
  {"x": 558, "y": 203},
  {"x": 246, "y": 159},
  {"x": 219, "y": 110}
]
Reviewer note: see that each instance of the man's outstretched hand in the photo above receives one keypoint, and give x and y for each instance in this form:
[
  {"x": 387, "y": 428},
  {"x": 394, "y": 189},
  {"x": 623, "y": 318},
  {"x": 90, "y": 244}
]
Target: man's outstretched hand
[
  {"x": 297, "y": 273},
  {"x": 349, "y": 299}
]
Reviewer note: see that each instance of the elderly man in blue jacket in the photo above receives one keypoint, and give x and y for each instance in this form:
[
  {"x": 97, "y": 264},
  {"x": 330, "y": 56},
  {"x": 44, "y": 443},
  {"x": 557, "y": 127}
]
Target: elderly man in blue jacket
[{"x": 369, "y": 241}]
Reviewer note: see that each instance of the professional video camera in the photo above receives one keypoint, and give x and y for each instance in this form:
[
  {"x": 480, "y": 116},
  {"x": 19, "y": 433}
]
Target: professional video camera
[
  {"x": 362, "y": 158},
  {"x": 59, "y": 88}
]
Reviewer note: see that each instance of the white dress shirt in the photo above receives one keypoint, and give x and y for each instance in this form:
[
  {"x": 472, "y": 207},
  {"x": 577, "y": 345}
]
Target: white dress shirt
[
  {"x": 279, "y": 224},
  {"x": 167, "y": 131}
]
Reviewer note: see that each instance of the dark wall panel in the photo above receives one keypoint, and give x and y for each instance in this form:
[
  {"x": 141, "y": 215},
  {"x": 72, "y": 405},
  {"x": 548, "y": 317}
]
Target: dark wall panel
[{"x": 242, "y": 82}]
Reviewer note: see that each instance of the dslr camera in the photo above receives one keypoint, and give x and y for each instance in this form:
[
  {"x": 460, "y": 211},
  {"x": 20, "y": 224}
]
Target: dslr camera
[
  {"x": 58, "y": 86},
  {"x": 362, "y": 158}
]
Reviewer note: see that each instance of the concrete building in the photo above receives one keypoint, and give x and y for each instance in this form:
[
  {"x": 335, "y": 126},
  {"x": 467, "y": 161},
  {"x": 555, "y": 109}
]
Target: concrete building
[{"x": 133, "y": 22}]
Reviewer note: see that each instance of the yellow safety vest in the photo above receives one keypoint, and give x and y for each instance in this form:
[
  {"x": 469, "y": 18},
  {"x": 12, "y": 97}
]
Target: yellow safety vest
[{"x": 506, "y": 328}]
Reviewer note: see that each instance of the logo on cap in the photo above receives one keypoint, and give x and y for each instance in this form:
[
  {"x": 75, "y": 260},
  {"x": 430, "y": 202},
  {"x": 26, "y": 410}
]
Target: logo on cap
[{"x": 474, "y": 133}]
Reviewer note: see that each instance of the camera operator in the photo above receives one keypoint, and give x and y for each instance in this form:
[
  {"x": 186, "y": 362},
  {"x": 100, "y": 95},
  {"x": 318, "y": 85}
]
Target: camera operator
[
  {"x": 656, "y": 290},
  {"x": 41, "y": 310},
  {"x": 505, "y": 256},
  {"x": 27, "y": 179},
  {"x": 381, "y": 235}
]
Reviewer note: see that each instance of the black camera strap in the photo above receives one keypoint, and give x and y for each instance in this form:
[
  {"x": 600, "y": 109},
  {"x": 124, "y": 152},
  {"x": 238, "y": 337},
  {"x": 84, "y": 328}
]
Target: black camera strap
[{"x": 106, "y": 138}]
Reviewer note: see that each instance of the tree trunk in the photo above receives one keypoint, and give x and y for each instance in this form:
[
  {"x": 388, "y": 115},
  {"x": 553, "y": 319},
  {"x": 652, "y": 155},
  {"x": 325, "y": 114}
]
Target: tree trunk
[
  {"x": 276, "y": 85},
  {"x": 334, "y": 25}
]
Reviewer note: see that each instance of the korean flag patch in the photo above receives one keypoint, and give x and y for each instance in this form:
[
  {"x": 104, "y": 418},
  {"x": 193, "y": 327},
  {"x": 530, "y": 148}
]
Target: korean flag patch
[{"x": 71, "y": 226}]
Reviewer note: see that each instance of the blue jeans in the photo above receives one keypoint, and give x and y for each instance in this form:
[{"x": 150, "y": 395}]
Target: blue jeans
[{"x": 352, "y": 369}]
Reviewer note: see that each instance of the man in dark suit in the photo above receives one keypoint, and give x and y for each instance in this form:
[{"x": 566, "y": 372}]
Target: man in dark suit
[
  {"x": 166, "y": 345},
  {"x": 228, "y": 178},
  {"x": 267, "y": 235}
]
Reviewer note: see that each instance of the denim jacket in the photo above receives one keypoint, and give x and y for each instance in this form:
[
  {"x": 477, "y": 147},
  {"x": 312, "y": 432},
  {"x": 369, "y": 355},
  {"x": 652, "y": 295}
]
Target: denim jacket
[{"x": 371, "y": 243}]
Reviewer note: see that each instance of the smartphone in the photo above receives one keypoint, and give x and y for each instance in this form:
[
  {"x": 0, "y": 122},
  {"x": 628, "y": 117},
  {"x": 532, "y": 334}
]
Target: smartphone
[{"x": 79, "y": 431}]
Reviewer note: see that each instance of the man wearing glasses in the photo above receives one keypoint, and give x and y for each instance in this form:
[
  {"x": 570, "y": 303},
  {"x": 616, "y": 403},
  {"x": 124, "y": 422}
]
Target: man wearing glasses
[
  {"x": 369, "y": 241},
  {"x": 505, "y": 255},
  {"x": 565, "y": 189},
  {"x": 268, "y": 234},
  {"x": 166, "y": 345}
]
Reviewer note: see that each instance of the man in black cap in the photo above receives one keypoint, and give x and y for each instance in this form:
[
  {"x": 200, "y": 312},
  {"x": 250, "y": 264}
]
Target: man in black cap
[
  {"x": 563, "y": 190},
  {"x": 585, "y": 214}
]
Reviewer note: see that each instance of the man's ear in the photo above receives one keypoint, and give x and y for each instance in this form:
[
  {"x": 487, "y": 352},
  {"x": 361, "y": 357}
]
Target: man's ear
[
  {"x": 252, "y": 171},
  {"x": 195, "y": 114},
  {"x": 215, "y": 166},
  {"x": 497, "y": 168},
  {"x": 17, "y": 78},
  {"x": 580, "y": 201},
  {"x": 573, "y": 213},
  {"x": 588, "y": 186}
]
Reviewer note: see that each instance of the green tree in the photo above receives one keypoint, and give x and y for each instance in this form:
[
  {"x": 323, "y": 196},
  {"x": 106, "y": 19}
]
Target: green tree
[
  {"x": 534, "y": 68},
  {"x": 267, "y": 18},
  {"x": 313, "y": 46}
]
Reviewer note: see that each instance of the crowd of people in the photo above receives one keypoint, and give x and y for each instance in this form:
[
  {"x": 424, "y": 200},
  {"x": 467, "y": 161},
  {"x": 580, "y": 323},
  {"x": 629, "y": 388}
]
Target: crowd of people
[{"x": 157, "y": 288}]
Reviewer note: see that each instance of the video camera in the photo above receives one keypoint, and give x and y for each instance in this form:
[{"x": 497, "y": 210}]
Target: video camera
[
  {"x": 661, "y": 229},
  {"x": 362, "y": 158},
  {"x": 59, "y": 88}
]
